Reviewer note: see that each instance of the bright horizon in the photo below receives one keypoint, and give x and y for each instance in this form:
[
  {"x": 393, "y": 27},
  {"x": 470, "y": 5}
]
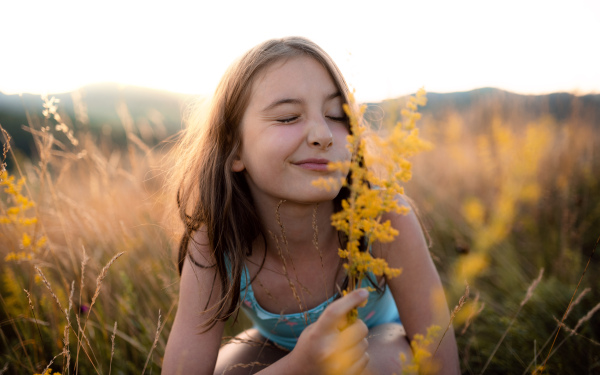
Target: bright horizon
[{"x": 385, "y": 49}]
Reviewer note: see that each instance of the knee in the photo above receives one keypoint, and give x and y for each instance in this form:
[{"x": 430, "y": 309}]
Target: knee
[
  {"x": 388, "y": 349},
  {"x": 246, "y": 353}
]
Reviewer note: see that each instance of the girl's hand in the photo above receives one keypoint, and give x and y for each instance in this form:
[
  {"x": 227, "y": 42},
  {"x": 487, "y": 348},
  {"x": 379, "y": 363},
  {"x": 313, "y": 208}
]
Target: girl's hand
[{"x": 330, "y": 346}]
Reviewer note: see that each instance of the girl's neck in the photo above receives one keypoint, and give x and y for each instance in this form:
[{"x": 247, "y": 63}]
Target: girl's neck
[{"x": 297, "y": 224}]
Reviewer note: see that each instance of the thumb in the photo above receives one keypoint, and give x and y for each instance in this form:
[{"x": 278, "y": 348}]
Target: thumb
[{"x": 336, "y": 313}]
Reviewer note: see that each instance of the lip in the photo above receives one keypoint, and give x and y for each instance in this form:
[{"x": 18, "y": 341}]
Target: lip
[{"x": 313, "y": 164}]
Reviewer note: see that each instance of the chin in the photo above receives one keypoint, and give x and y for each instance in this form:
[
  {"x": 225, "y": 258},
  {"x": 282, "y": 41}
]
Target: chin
[{"x": 319, "y": 196}]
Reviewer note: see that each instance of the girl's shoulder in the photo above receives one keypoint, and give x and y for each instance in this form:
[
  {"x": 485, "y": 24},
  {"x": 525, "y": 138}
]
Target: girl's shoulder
[{"x": 408, "y": 225}]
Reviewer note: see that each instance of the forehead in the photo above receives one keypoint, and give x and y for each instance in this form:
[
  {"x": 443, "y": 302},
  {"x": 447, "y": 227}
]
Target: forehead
[{"x": 292, "y": 76}]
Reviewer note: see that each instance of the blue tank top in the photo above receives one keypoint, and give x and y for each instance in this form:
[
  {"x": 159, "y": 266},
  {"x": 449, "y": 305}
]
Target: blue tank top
[{"x": 284, "y": 330}]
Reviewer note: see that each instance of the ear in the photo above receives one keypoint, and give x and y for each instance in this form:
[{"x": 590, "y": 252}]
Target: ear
[{"x": 238, "y": 164}]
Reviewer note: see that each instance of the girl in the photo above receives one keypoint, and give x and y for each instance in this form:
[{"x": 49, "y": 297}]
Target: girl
[{"x": 259, "y": 235}]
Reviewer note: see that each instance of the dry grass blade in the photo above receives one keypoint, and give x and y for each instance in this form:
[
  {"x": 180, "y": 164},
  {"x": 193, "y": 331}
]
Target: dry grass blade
[
  {"x": 153, "y": 344},
  {"x": 34, "y": 317},
  {"x": 47, "y": 283},
  {"x": 539, "y": 352},
  {"x": 71, "y": 296},
  {"x": 578, "y": 299},
  {"x": 473, "y": 314},
  {"x": 287, "y": 249},
  {"x": 82, "y": 281},
  {"x": 316, "y": 243},
  {"x": 101, "y": 277},
  {"x": 531, "y": 288},
  {"x": 112, "y": 347},
  {"x": 51, "y": 362},
  {"x": 528, "y": 296},
  {"x": 285, "y": 271},
  {"x": 84, "y": 261},
  {"x": 543, "y": 366},
  {"x": 66, "y": 351},
  {"x": 283, "y": 261},
  {"x": 461, "y": 303},
  {"x": 586, "y": 317},
  {"x": 572, "y": 332},
  {"x": 278, "y": 217},
  {"x": 5, "y": 148},
  {"x": 99, "y": 280}
]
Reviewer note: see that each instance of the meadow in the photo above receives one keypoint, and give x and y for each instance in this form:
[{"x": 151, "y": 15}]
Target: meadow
[{"x": 510, "y": 201}]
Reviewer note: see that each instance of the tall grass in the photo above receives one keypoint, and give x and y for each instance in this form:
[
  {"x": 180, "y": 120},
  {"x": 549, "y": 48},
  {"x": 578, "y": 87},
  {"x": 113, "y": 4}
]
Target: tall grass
[
  {"x": 501, "y": 202},
  {"x": 89, "y": 207}
]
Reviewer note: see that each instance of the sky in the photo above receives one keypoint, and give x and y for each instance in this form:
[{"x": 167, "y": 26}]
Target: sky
[{"x": 384, "y": 48}]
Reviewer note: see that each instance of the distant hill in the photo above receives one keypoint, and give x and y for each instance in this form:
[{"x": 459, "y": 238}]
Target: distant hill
[
  {"x": 157, "y": 114},
  {"x": 478, "y": 107}
]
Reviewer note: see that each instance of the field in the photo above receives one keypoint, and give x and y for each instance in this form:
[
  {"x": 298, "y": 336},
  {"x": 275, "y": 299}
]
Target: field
[{"x": 510, "y": 201}]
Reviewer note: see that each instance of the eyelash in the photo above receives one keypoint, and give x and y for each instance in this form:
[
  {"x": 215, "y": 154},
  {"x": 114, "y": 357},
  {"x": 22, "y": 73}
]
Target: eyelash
[
  {"x": 338, "y": 119},
  {"x": 289, "y": 120}
]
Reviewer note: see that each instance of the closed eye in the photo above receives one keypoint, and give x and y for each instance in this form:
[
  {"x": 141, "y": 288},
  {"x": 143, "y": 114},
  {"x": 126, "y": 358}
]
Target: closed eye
[
  {"x": 287, "y": 120},
  {"x": 343, "y": 119}
]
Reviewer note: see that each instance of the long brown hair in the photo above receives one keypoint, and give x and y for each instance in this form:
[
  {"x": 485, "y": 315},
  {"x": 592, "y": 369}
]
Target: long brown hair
[{"x": 212, "y": 197}]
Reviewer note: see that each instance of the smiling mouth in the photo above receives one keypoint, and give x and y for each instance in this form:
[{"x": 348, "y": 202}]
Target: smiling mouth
[{"x": 319, "y": 165}]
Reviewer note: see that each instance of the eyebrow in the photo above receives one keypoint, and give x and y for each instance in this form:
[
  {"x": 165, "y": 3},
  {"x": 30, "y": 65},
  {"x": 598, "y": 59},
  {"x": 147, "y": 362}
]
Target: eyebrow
[{"x": 297, "y": 101}]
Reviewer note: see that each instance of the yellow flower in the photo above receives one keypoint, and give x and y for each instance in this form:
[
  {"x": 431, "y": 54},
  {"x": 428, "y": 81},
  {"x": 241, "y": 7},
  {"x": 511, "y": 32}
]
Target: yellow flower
[
  {"x": 49, "y": 372},
  {"x": 379, "y": 165},
  {"x": 17, "y": 257},
  {"x": 26, "y": 241},
  {"x": 26, "y": 221},
  {"x": 474, "y": 212},
  {"x": 41, "y": 242},
  {"x": 13, "y": 210},
  {"x": 421, "y": 362}
]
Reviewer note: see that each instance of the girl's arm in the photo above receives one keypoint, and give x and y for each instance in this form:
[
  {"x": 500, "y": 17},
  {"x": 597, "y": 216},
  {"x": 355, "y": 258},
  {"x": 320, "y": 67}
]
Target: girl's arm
[
  {"x": 188, "y": 350},
  {"x": 418, "y": 290}
]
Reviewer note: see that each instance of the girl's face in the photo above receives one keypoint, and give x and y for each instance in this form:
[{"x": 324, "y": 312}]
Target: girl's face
[{"x": 293, "y": 126}]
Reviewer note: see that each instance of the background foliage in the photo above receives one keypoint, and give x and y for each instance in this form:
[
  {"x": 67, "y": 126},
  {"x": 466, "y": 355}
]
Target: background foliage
[{"x": 512, "y": 186}]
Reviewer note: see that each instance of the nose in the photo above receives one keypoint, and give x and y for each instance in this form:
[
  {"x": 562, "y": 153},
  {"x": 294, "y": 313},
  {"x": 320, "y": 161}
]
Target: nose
[{"x": 320, "y": 135}]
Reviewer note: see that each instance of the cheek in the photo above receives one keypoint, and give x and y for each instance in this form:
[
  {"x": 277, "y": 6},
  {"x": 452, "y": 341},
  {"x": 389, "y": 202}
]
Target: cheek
[
  {"x": 282, "y": 140},
  {"x": 273, "y": 146},
  {"x": 340, "y": 135}
]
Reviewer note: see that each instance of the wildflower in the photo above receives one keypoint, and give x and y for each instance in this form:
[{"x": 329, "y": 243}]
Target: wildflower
[
  {"x": 50, "y": 112},
  {"x": 421, "y": 362},
  {"x": 376, "y": 183},
  {"x": 26, "y": 241},
  {"x": 49, "y": 372},
  {"x": 16, "y": 215},
  {"x": 516, "y": 165},
  {"x": 474, "y": 212}
]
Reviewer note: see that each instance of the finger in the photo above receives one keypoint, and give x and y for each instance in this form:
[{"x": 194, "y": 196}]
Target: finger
[
  {"x": 337, "y": 311},
  {"x": 359, "y": 366},
  {"x": 343, "y": 360},
  {"x": 353, "y": 334}
]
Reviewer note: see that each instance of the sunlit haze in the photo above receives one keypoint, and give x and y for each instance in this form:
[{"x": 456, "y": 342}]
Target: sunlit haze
[{"x": 384, "y": 48}]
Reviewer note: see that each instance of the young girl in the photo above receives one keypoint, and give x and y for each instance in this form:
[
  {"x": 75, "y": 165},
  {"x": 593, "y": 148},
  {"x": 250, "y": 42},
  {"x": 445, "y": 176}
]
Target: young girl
[{"x": 259, "y": 235}]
